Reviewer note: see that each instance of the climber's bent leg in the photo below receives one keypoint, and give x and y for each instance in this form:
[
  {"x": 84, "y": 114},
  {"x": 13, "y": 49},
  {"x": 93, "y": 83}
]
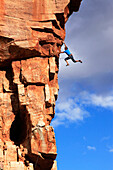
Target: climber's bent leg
[
  {"x": 67, "y": 58},
  {"x": 75, "y": 61}
]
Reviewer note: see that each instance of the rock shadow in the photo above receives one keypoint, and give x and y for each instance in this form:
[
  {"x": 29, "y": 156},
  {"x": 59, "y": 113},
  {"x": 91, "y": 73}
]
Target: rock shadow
[{"x": 21, "y": 127}]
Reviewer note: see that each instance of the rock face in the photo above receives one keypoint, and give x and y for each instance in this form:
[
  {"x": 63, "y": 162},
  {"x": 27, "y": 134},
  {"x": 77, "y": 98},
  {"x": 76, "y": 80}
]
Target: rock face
[{"x": 31, "y": 35}]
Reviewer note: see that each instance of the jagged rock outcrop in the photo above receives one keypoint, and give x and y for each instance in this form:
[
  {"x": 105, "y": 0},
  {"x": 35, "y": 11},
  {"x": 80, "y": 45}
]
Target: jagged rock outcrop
[{"x": 31, "y": 35}]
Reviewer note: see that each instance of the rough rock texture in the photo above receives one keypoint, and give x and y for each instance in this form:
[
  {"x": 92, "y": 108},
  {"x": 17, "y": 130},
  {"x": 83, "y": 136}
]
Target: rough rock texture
[{"x": 31, "y": 35}]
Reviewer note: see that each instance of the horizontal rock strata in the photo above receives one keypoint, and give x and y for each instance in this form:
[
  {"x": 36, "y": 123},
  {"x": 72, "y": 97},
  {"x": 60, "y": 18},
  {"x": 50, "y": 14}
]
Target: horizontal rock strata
[{"x": 31, "y": 35}]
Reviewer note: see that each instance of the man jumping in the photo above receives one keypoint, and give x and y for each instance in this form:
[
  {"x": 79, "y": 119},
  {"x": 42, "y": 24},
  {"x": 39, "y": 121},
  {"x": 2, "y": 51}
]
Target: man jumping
[{"x": 70, "y": 56}]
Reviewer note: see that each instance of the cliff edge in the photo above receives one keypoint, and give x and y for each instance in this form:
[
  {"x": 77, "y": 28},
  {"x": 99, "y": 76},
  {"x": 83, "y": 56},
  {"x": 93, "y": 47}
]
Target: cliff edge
[{"x": 31, "y": 35}]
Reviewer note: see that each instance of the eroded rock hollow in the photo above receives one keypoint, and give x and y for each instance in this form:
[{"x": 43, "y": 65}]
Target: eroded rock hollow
[{"x": 31, "y": 35}]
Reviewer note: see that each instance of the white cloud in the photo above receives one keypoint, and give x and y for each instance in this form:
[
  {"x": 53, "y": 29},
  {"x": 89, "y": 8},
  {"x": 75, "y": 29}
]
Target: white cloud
[
  {"x": 91, "y": 148},
  {"x": 57, "y": 122},
  {"x": 96, "y": 100},
  {"x": 105, "y": 138},
  {"x": 69, "y": 111},
  {"x": 111, "y": 150},
  {"x": 84, "y": 138},
  {"x": 73, "y": 110},
  {"x": 102, "y": 101}
]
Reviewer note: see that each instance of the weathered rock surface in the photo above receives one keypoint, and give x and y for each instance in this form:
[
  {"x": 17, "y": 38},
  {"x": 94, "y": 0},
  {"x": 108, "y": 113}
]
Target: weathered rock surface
[{"x": 31, "y": 35}]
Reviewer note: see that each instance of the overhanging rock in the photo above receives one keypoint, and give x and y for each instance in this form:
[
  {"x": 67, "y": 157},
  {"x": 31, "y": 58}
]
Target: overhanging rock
[{"x": 31, "y": 36}]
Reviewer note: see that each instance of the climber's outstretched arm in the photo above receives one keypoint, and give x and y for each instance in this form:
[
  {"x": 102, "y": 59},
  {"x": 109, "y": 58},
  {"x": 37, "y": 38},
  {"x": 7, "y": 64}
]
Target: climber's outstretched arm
[{"x": 65, "y": 44}]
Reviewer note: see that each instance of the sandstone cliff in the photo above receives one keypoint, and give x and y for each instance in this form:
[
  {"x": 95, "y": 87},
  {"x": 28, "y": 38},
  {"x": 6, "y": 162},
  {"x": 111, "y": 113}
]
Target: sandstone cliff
[{"x": 31, "y": 35}]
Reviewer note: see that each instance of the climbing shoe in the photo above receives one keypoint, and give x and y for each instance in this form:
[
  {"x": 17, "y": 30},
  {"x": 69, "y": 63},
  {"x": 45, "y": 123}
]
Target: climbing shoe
[
  {"x": 67, "y": 65},
  {"x": 80, "y": 61}
]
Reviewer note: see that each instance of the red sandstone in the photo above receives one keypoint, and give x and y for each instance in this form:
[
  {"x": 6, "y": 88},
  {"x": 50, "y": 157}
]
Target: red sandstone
[{"x": 31, "y": 35}]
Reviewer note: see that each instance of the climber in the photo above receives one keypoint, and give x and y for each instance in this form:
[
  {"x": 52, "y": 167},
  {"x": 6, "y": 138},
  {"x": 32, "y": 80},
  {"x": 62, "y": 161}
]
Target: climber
[{"x": 70, "y": 56}]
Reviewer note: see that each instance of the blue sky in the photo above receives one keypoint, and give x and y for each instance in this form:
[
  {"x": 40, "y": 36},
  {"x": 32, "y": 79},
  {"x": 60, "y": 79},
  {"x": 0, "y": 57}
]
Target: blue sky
[{"x": 83, "y": 122}]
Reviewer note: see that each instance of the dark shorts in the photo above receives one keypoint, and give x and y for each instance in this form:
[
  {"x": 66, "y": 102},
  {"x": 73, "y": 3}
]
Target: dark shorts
[{"x": 70, "y": 57}]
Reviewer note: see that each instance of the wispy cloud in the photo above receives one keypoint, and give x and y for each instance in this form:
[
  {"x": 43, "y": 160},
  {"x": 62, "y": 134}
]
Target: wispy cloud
[
  {"x": 69, "y": 111},
  {"x": 84, "y": 138},
  {"x": 105, "y": 138},
  {"x": 96, "y": 100},
  {"x": 102, "y": 101},
  {"x": 74, "y": 109},
  {"x": 91, "y": 148},
  {"x": 111, "y": 150}
]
